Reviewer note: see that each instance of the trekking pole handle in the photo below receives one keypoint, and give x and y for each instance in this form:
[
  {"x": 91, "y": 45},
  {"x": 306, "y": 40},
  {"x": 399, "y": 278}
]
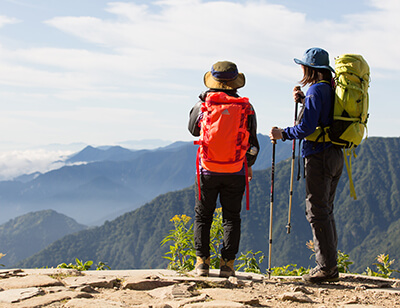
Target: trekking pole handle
[{"x": 301, "y": 96}]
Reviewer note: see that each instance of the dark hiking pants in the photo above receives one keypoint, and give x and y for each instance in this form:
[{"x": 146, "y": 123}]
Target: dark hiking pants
[
  {"x": 323, "y": 171},
  {"x": 230, "y": 189}
]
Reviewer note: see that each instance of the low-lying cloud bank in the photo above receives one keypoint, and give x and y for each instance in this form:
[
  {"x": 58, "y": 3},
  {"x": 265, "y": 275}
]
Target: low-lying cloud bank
[{"x": 16, "y": 163}]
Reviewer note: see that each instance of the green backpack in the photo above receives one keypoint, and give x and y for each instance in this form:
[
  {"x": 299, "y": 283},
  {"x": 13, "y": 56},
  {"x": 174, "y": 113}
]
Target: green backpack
[{"x": 350, "y": 111}]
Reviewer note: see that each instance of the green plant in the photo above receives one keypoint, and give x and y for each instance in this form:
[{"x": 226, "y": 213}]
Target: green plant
[
  {"x": 80, "y": 266},
  {"x": 216, "y": 237},
  {"x": 383, "y": 266},
  {"x": 101, "y": 266},
  {"x": 310, "y": 245},
  {"x": 289, "y": 270},
  {"x": 1, "y": 256},
  {"x": 249, "y": 262},
  {"x": 343, "y": 262},
  {"x": 182, "y": 253}
]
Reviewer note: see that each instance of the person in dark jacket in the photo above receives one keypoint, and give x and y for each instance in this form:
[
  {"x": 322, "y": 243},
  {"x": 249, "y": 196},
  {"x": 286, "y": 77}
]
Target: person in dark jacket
[
  {"x": 223, "y": 77},
  {"x": 323, "y": 160}
]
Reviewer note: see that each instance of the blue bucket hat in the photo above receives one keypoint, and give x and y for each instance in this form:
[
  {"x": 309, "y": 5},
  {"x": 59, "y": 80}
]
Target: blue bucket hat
[{"x": 316, "y": 58}]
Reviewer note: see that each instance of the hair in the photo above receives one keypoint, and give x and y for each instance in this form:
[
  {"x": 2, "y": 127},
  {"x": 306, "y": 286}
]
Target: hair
[{"x": 313, "y": 75}]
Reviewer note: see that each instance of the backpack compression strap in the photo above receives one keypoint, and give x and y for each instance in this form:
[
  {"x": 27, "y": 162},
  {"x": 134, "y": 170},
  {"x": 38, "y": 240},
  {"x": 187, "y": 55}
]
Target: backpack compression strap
[{"x": 349, "y": 152}]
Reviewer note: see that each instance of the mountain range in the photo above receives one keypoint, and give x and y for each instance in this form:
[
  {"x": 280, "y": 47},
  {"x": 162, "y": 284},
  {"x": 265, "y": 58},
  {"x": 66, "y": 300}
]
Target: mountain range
[
  {"x": 366, "y": 227},
  {"x": 99, "y": 184}
]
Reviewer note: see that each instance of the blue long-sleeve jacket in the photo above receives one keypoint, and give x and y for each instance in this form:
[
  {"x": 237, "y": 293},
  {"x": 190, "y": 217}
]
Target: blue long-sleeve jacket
[{"x": 317, "y": 112}]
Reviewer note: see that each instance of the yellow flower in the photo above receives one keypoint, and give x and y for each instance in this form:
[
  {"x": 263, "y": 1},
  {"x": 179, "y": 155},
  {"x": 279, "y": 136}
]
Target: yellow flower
[
  {"x": 176, "y": 218},
  {"x": 180, "y": 218},
  {"x": 310, "y": 245},
  {"x": 185, "y": 219}
]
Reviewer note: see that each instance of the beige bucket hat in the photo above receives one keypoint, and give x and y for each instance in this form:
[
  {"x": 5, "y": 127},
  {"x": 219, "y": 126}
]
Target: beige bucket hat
[{"x": 224, "y": 75}]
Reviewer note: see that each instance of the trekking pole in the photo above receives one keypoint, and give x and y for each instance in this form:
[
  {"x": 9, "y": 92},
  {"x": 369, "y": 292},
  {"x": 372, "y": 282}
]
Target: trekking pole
[
  {"x": 288, "y": 226},
  {"x": 271, "y": 207}
]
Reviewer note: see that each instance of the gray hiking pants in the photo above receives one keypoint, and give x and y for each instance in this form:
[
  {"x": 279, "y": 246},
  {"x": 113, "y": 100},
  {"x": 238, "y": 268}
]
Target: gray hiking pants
[{"x": 323, "y": 171}]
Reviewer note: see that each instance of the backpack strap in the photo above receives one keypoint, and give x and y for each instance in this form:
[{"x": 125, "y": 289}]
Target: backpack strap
[
  {"x": 247, "y": 184},
  {"x": 198, "y": 170},
  {"x": 350, "y": 152}
]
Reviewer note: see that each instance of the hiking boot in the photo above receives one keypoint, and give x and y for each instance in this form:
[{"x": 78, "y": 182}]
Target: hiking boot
[
  {"x": 202, "y": 267},
  {"x": 226, "y": 268},
  {"x": 318, "y": 275}
]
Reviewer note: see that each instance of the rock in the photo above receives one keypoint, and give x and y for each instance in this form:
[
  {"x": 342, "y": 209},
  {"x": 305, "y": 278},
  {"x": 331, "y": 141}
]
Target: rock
[
  {"x": 92, "y": 303},
  {"x": 161, "y": 293},
  {"x": 396, "y": 285},
  {"x": 87, "y": 289},
  {"x": 99, "y": 282},
  {"x": 196, "y": 299},
  {"x": 17, "y": 295},
  {"x": 28, "y": 282},
  {"x": 176, "y": 291},
  {"x": 145, "y": 284},
  {"x": 295, "y": 297},
  {"x": 352, "y": 301},
  {"x": 11, "y": 273},
  {"x": 131, "y": 298},
  {"x": 216, "y": 304},
  {"x": 236, "y": 295},
  {"x": 83, "y": 295},
  {"x": 302, "y": 289},
  {"x": 183, "y": 290},
  {"x": 46, "y": 300}
]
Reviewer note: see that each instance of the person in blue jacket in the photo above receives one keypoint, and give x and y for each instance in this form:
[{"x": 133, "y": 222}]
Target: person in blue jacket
[{"x": 323, "y": 160}]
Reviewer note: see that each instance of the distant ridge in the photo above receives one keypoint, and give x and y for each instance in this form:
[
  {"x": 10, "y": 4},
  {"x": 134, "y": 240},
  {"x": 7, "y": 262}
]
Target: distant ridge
[{"x": 114, "y": 153}]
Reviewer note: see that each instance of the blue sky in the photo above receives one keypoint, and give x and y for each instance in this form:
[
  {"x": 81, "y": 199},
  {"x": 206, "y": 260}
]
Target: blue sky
[{"x": 102, "y": 72}]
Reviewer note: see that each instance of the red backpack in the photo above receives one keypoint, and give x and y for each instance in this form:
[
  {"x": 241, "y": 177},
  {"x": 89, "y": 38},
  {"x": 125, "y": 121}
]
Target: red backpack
[{"x": 224, "y": 138}]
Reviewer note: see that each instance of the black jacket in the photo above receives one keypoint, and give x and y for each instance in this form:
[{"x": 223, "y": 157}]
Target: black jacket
[{"x": 194, "y": 127}]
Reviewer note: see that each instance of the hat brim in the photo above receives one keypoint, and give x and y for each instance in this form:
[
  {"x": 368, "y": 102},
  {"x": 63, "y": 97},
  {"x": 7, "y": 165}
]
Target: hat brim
[
  {"x": 327, "y": 67},
  {"x": 233, "y": 84}
]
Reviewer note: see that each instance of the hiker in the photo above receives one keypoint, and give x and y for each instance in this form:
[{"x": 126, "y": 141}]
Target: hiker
[
  {"x": 223, "y": 180},
  {"x": 323, "y": 160}
]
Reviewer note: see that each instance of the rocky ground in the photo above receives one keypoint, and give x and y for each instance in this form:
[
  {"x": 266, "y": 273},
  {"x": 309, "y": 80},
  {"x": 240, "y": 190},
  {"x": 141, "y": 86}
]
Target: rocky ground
[{"x": 164, "y": 289}]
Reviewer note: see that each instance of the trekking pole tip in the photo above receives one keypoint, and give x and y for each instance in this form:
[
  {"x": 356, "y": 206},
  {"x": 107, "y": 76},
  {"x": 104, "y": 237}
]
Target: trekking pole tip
[{"x": 288, "y": 226}]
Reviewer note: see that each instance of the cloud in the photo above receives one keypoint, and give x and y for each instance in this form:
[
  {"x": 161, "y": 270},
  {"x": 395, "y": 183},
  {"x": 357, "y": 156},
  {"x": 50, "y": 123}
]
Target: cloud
[
  {"x": 4, "y": 20},
  {"x": 372, "y": 33},
  {"x": 16, "y": 163},
  {"x": 143, "y": 42},
  {"x": 138, "y": 58},
  {"x": 183, "y": 34}
]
